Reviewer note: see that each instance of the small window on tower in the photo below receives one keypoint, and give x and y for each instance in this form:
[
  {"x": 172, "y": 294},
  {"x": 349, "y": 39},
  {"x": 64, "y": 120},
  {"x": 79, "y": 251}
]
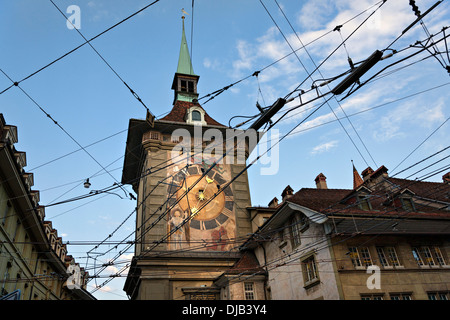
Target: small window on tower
[
  {"x": 191, "y": 86},
  {"x": 196, "y": 116},
  {"x": 183, "y": 85}
]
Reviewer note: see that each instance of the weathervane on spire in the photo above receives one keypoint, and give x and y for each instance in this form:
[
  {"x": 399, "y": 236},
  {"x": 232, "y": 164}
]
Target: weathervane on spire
[{"x": 184, "y": 12}]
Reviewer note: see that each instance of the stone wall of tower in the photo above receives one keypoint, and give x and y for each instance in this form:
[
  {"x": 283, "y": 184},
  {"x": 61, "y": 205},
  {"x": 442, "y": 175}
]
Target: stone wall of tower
[
  {"x": 152, "y": 214},
  {"x": 152, "y": 196},
  {"x": 242, "y": 201}
]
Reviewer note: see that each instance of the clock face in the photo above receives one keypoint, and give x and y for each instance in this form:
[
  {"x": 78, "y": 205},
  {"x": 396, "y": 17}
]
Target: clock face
[
  {"x": 208, "y": 207},
  {"x": 207, "y": 202}
]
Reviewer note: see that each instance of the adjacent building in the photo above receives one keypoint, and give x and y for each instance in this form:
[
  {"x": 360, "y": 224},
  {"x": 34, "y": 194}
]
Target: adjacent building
[
  {"x": 385, "y": 239},
  {"x": 34, "y": 262}
]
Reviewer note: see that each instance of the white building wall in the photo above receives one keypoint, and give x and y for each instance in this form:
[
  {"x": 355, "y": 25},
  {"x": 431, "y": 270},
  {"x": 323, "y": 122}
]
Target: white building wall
[{"x": 285, "y": 271}]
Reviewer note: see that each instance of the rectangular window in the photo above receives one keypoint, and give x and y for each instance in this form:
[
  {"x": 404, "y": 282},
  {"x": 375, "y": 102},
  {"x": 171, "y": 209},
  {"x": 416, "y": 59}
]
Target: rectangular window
[
  {"x": 392, "y": 255},
  {"x": 183, "y": 85},
  {"x": 295, "y": 231},
  {"x": 310, "y": 272},
  {"x": 432, "y": 296},
  {"x": 381, "y": 255},
  {"x": 438, "y": 295},
  {"x": 191, "y": 86},
  {"x": 417, "y": 256},
  {"x": 428, "y": 258},
  {"x": 443, "y": 295},
  {"x": 372, "y": 297},
  {"x": 249, "y": 291},
  {"x": 401, "y": 296},
  {"x": 354, "y": 255},
  {"x": 365, "y": 256},
  {"x": 439, "y": 257}
]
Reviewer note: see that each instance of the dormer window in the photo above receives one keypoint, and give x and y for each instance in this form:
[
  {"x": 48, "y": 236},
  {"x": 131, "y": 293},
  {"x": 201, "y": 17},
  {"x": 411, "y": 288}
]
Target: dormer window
[
  {"x": 195, "y": 115},
  {"x": 408, "y": 204},
  {"x": 363, "y": 202}
]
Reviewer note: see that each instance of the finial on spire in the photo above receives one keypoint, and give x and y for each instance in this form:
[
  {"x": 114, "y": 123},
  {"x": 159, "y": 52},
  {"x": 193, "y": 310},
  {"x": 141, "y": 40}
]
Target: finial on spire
[{"x": 184, "y": 12}]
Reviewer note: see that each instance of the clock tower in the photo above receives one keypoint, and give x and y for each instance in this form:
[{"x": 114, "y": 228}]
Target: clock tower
[{"x": 191, "y": 212}]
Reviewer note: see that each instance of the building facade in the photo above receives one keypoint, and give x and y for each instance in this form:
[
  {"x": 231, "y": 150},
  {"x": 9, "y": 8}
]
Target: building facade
[
  {"x": 34, "y": 262},
  {"x": 385, "y": 239}
]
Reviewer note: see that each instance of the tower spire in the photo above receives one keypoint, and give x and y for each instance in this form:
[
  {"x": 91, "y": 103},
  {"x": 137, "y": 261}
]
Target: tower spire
[
  {"x": 357, "y": 180},
  {"x": 185, "y": 80},
  {"x": 184, "y": 60}
]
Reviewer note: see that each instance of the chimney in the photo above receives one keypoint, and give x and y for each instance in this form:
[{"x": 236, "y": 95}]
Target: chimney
[
  {"x": 366, "y": 173},
  {"x": 446, "y": 177},
  {"x": 287, "y": 193},
  {"x": 273, "y": 203},
  {"x": 321, "y": 181}
]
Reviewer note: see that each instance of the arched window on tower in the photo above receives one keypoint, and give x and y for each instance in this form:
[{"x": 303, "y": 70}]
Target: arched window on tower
[{"x": 196, "y": 116}]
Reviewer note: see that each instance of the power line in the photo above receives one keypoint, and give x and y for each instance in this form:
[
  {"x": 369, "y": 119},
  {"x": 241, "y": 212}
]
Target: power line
[
  {"x": 61, "y": 127},
  {"x": 103, "y": 59},
  {"x": 309, "y": 75},
  {"x": 214, "y": 94},
  {"x": 81, "y": 45}
]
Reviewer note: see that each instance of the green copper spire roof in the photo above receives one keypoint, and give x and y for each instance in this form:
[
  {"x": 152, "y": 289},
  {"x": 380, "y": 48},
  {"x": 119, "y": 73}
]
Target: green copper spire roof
[{"x": 184, "y": 61}]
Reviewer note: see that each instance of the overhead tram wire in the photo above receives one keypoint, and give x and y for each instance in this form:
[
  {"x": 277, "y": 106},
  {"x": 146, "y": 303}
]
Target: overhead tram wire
[
  {"x": 214, "y": 94},
  {"x": 421, "y": 49},
  {"x": 342, "y": 43},
  {"x": 419, "y": 18},
  {"x": 292, "y": 255},
  {"x": 404, "y": 186},
  {"x": 310, "y": 76},
  {"x": 81, "y": 45},
  {"x": 103, "y": 59},
  {"x": 312, "y": 60},
  {"x": 426, "y": 90},
  {"x": 119, "y": 273},
  {"x": 329, "y": 55},
  {"x": 425, "y": 140},
  {"x": 185, "y": 194},
  {"x": 375, "y": 77},
  {"x": 318, "y": 242},
  {"x": 64, "y": 130},
  {"x": 227, "y": 185},
  {"x": 356, "y": 113}
]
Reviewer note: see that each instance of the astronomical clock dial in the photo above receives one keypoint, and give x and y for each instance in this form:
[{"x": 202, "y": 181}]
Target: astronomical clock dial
[
  {"x": 206, "y": 203},
  {"x": 208, "y": 208}
]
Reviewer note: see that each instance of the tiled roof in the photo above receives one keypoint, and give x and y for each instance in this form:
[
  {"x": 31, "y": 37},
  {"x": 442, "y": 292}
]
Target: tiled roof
[
  {"x": 431, "y": 190},
  {"x": 178, "y": 113},
  {"x": 247, "y": 263},
  {"x": 319, "y": 199},
  {"x": 342, "y": 201}
]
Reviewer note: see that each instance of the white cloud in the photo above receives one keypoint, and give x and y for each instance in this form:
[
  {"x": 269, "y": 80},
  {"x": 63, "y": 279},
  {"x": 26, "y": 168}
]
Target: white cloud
[
  {"x": 416, "y": 114},
  {"x": 314, "y": 14},
  {"x": 324, "y": 147}
]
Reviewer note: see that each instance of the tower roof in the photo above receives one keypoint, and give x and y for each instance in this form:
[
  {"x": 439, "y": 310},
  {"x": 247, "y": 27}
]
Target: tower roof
[{"x": 184, "y": 60}]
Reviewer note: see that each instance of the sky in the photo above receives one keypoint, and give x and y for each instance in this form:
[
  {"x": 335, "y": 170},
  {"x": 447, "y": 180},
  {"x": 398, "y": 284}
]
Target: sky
[{"x": 395, "y": 120}]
